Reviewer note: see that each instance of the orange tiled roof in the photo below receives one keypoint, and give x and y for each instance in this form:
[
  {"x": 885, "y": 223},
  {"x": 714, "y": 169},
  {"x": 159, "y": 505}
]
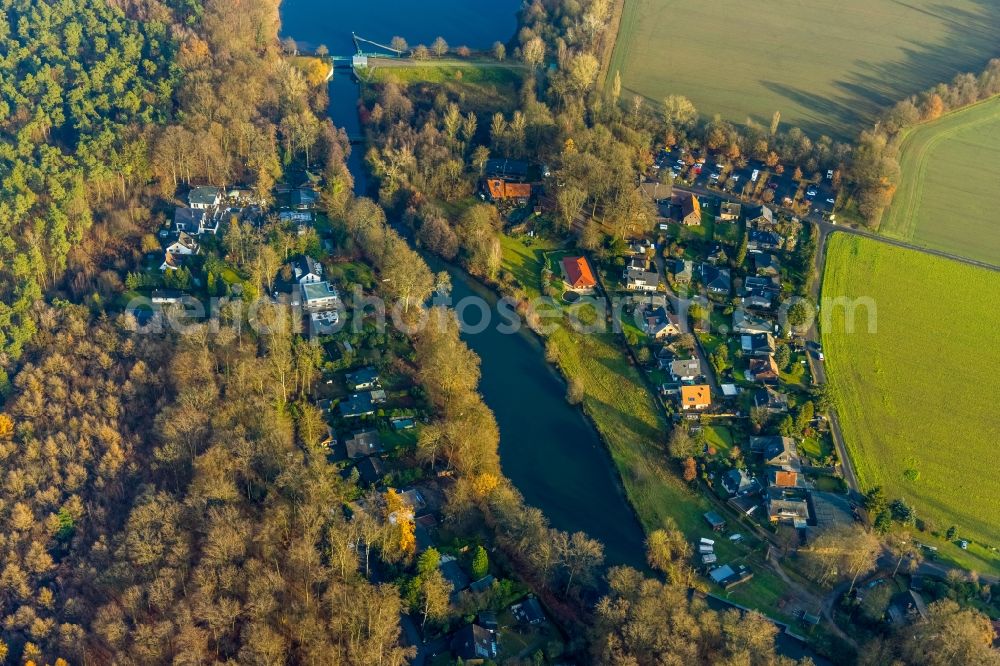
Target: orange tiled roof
[
  {"x": 785, "y": 479},
  {"x": 578, "y": 273},
  {"x": 698, "y": 395},
  {"x": 500, "y": 189}
]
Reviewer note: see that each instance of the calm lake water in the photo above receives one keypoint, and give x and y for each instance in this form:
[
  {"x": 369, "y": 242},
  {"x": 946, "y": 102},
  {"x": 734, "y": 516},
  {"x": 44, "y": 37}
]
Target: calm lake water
[{"x": 548, "y": 449}]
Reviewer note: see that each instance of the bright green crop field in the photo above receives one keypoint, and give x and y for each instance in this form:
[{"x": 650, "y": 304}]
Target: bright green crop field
[
  {"x": 828, "y": 67},
  {"x": 918, "y": 397},
  {"x": 950, "y": 181}
]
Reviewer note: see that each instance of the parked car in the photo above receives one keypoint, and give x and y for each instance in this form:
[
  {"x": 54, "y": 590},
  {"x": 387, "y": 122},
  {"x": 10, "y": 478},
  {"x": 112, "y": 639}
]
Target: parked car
[
  {"x": 829, "y": 174},
  {"x": 714, "y": 176},
  {"x": 753, "y": 176},
  {"x": 831, "y": 201},
  {"x": 773, "y": 186},
  {"x": 810, "y": 193}
]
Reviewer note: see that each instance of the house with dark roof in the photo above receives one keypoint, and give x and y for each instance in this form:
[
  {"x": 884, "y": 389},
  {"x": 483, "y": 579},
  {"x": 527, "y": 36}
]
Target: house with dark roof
[
  {"x": 740, "y": 482},
  {"x": 760, "y": 217},
  {"x": 685, "y": 209},
  {"x": 762, "y": 283},
  {"x": 364, "y": 443},
  {"x": 729, "y": 211},
  {"x": 175, "y": 253},
  {"x": 204, "y": 197},
  {"x": 641, "y": 280},
  {"x": 745, "y": 322},
  {"x": 717, "y": 255},
  {"x": 757, "y": 344},
  {"x": 762, "y": 241},
  {"x": 528, "y": 611},
  {"x": 357, "y": 404},
  {"x": 786, "y": 505},
  {"x": 190, "y": 220},
  {"x": 716, "y": 280},
  {"x": 473, "y": 642},
  {"x": 685, "y": 370},
  {"x": 303, "y": 198},
  {"x": 577, "y": 274},
  {"x": 680, "y": 270},
  {"x": 780, "y": 452},
  {"x": 762, "y": 370},
  {"x": 658, "y": 323},
  {"x": 363, "y": 379},
  {"x": 771, "y": 400},
  {"x": 370, "y": 471},
  {"x": 766, "y": 263},
  {"x": 715, "y": 521},
  {"x": 505, "y": 169},
  {"x": 307, "y": 270}
]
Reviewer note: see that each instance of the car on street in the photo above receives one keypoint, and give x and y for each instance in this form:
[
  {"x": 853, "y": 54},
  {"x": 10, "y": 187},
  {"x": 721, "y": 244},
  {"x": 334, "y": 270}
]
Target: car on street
[{"x": 810, "y": 193}]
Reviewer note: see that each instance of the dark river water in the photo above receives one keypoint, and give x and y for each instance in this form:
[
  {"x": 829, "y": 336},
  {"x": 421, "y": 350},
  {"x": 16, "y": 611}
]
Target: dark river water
[{"x": 548, "y": 449}]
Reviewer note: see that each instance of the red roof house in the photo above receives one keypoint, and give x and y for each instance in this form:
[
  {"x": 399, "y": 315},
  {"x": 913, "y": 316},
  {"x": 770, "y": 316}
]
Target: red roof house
[{"x": 578, "y": 273}]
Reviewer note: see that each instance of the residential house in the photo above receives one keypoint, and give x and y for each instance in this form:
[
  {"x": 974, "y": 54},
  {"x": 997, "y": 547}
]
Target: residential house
[
  {"x": 659, "y": 324},
  {"x": 323, "y": 322},
  {"x": 744, "y": 322},
  {"x": 761, "y": 291},
  {"x": 685, "y": 370},
  {"x": 757, "y": 344},
  {"x": 696, "y": 398},
  {"x": 760, "y": 217},
  {"x": 577, "y": 274},
  {"x": 779, "y": 452},
  {"x": 784, "y": 478},
  {"x": 357, "y": 404},
  {"x": 739, "y": 482},
  {"x": 505, "y": 169},
  {"x": 364, "y": 443},
  {"x": 766, "y": 263},
  {"x": 184, "y": 246},
  {"x": 660, "y": 194},
  {"x": 745, "y": 504},
  {"x": 529, "y": 611},
  {"x": 636, "y": 262},
  {"x": 685, "y": 209},
  {"x": 501, "y": 190},
  {"x": 681, "y": 270},
  {"x": 762, "y": 241},
  {"x": 717, "y": 255},
  {"x": 363, "y": 379},
  {"x": 641, "y": 280},
  {"x": 190, "y": 220},
  {"x": 370, "y": 471},
  {"x": 729, "y": 211},
  {"x": 303, "y": 198},
  {"x": 716, "y": 280},
  {"x": 167, "y": 296},
  {"x": 307, "y": 270},
  {"x": 771, "y": 400},
  {"x": 762, "y": 370},
  {"x": 319, "y": 296},
  {"x": 204, "y": 197},
  {"x": 786, "y": 505}
]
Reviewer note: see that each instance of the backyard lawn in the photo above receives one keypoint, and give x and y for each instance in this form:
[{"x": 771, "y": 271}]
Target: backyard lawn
[
  {"x": 737, "y": 59},
  {"x": 918, "y": 395},
  {"x": 950, "y": 172}
]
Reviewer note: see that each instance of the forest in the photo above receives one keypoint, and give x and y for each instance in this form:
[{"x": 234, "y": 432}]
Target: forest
[{"x": 165, "y": 498}]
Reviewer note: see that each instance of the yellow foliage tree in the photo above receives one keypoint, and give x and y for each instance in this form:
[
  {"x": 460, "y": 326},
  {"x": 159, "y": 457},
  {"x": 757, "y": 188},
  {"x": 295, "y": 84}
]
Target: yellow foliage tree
[{"x": 6, "y": 426}]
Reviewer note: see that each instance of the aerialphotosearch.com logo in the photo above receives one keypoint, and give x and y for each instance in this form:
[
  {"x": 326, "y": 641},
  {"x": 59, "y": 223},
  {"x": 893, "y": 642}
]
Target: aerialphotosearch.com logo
[{"x": 656, "y": 315}]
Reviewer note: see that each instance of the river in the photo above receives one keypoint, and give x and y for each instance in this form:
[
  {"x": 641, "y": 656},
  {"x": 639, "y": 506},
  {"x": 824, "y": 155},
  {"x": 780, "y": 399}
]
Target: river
[{"x": 548, "y": 449}]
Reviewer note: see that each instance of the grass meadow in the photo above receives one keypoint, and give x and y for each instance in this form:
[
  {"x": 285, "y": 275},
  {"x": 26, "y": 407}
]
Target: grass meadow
[
  {"x": 947, "y": 194},
  {"x": 918, "y": 398},
  {"x": 738, "y": 59}
]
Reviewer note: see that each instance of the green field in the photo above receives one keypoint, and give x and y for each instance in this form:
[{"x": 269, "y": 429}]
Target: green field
[
  {"x": 950, "y": 172},
  {"x": 738, "y": 59},
  {"x": 921, "y": 393}
]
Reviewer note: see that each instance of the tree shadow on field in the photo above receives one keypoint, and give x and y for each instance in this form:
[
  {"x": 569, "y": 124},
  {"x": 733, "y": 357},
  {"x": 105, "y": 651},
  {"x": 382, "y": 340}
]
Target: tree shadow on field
[{"x": 972, "y": 38}]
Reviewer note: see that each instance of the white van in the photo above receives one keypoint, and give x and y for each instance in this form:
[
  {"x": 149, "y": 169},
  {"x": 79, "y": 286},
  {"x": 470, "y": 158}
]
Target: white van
[{"x": 753, "y": 176}]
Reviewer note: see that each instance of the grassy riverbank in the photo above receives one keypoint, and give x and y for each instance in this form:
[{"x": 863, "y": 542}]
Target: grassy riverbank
[{"x": 635, "y": 430}]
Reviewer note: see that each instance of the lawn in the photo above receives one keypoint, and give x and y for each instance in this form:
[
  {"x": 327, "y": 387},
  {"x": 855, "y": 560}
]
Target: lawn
[
  {"x": 740, "y": 59},
  {"x": 919, "y": 394},
  {"x": 950, "y": 172},
  {"x": 489, "y": 85}
]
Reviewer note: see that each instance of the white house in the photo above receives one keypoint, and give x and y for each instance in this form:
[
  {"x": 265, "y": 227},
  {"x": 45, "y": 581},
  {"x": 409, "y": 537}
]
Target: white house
[
  {"x": 319, "y": 296},
  {"x": 204, "y": 197},
  {"x": 184, "y": 246},
  {"x": 307, "y": 270}
]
